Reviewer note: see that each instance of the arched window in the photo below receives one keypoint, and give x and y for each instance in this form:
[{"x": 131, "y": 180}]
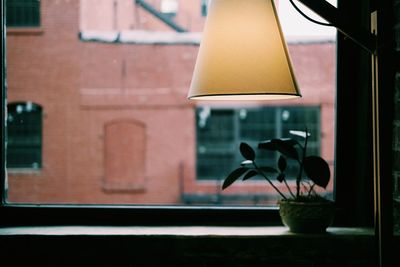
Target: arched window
[{"x": 24, "y": 135}]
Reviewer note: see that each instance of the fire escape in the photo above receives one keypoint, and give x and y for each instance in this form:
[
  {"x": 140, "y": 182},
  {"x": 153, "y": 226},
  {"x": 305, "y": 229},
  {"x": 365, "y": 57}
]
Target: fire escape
[{"x": 164, "y": 17}]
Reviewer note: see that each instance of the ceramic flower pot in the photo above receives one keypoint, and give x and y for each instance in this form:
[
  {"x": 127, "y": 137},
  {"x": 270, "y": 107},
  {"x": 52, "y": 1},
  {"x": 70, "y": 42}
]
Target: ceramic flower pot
[{"x": 307, "y": 217}]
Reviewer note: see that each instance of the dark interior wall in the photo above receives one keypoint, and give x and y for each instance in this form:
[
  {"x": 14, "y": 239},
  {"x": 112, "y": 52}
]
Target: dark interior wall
[
  {"x": 363, "y": 203},
  {"x": 272, "y": 251},
  {"x": 396, "y": 123},
  {"x": 353, "y": 164}
]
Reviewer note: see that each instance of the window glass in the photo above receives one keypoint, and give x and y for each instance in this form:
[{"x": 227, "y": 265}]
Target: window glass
[
  {"x": 114, "y": 122},
  {"x": 216, "y": 143},
  {"x": 23, "y": 13},
  {"x": 24, "y": 131},
  {"x": 220, "y": 132},
  {"x": 204, "y": 7}
]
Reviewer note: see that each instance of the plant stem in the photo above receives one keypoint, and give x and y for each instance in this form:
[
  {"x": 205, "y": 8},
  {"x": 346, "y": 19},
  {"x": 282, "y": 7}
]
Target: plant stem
[
  {"x": 269, "y": 181},
  {"x": 311, "y": 189},
  {"x": 288, "y": 187},
  {"x": 298, "y": 180}
]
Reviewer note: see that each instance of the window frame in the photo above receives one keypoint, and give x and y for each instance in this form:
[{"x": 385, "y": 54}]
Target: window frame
[{"x": 35, "y": 215}]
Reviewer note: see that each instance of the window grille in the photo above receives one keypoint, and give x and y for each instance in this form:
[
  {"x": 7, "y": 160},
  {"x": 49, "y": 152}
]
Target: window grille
[
  {"x": 23, "y": 13},
  {"x": 24, "y": 136},
  {"x": 220, "y": 132}
]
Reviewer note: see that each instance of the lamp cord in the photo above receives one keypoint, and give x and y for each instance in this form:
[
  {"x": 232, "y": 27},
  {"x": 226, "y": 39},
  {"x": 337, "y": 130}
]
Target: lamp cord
[{"x": 307, "y": 17}]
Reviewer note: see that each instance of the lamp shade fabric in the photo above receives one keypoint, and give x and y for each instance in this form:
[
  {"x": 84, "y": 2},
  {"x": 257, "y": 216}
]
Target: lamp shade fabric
[{"x": 243, "y": 55}]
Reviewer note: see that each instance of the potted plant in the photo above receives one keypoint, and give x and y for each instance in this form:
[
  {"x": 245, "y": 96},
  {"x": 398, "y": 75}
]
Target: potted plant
[{"x": 301, "y": 208}]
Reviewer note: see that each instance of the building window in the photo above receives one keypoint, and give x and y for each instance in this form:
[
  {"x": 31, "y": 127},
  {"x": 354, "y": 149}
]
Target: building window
[
  {"x": 204, "y": 7},
  {"x": 24, "y": 136},
  {"x": 23, "y": 13},
  {"x": 220, "y": 132}
]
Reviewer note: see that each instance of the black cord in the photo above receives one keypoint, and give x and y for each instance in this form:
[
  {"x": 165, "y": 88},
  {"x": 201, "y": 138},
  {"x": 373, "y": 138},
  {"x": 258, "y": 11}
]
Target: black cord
[{"x": 307, "y": 17}]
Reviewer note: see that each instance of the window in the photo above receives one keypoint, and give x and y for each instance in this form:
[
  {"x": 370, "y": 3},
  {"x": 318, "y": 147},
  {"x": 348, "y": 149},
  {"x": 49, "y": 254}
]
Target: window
[
  {"x": 204, "y": 7},
  {"x": 23, "y": 13},
  {"x": 24, "y": 132},
  {"x": 216, "y": 143},
  {"x": 119, "y": 129},
  {"x": 108, "y": 97},
  {"x": 220, "y": 131}
]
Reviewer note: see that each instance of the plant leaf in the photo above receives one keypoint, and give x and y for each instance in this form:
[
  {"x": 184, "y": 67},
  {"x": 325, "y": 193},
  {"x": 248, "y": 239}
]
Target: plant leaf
[
  {"x": 317, "y": 169},
  {"x": 280, "y": 144},
  {"x": 282, "y": 163},
  {"x": 250, "y": 174},
  {"x": 280, "y": 177},
  {"x": 268, "y": 145},
  {"x": 300, "y": 133},
  {"x": 286, "y": 147},
  {"x": 246, "y": 162},
  {"x": 233, "y": 176},
  {"x": 247, "y": 152},
  {"x": 268, "y": 169},
  {"x": 290, "y": 141}
]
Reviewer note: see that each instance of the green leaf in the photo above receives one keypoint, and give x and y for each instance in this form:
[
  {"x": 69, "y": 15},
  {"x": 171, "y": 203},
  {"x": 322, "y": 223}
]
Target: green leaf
[
  {"x": 250, "y": 174},
  {"x": 302, "y": 134},
  {"x": 317, "y": 169},
  {"x": 282, "y": 163},
  {"x": 280, "y": 177},
  {"x": 290, "y": 141},
  {"x": 233, "y": 176},
  {"x": 246, "y": 162},
  {"x": 247, "y": 152},
  {"x": 268, "y": 145},
  {"x": 286, "y": 147}
]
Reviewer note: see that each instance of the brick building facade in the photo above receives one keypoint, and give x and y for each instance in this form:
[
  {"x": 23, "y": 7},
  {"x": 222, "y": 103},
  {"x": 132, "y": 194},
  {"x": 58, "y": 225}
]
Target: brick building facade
[{"x": 111, "y": 80}]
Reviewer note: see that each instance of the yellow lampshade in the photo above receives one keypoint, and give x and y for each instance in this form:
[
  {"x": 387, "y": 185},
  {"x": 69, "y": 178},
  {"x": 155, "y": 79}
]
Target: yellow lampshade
[{"x": 243, "y": 54}]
